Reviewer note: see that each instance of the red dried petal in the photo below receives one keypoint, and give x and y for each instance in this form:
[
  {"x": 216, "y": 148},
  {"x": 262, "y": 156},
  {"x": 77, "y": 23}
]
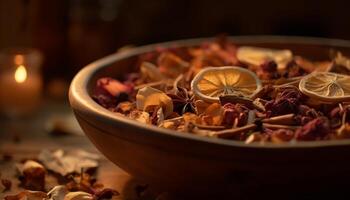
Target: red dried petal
[{"x": 314, "y": 130}]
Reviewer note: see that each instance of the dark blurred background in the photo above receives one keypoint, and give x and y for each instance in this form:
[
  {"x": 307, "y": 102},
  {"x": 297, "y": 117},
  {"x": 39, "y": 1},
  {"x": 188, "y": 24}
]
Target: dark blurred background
[{"x": 72, "y": 33}]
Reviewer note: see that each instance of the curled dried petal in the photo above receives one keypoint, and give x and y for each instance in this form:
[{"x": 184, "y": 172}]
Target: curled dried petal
[
  {"x": 171, "y": 65},
  {"x": 151, "y": 72},
  {"x": 148, "y": 96},
  {"x": 30, "y": 195},
  {"x": 78, "y": 196},
  {"x": 314, "y": 130},
  {"x": 33, "y": 175},
  {"x": 140, "y": 116},
  {"x": 235, "y": 115}
]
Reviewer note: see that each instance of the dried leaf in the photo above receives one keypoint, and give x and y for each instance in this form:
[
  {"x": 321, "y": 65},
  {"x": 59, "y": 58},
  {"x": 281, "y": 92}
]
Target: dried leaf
[
  {"x": 68, "y": 162},
  {"x": 148, "y": 97}
]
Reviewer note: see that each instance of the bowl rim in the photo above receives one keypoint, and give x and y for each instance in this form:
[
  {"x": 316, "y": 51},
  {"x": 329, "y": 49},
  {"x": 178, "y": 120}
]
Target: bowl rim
[{"x": 81, "y": 101}]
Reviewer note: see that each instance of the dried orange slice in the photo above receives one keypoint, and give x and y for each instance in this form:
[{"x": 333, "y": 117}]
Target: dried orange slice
[
  {"x": 212, "y": 82},
  {"x": 326, "y": 86}
]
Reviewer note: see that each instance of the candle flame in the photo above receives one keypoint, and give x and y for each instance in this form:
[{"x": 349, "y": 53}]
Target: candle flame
[{"x": 20, "y": 74}]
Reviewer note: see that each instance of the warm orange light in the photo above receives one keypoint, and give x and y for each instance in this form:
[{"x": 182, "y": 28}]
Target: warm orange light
[
  {"x": 20, "y": 74},
  {"x": 19, "y": 59}
]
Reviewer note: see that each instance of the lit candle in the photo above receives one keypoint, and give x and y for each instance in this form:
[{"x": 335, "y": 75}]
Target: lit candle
[{"x": 20, "y": 86}]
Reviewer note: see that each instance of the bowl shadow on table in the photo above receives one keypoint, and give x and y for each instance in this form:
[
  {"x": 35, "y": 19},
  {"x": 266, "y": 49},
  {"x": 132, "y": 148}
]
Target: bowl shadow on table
[{"x": 322, "y": 188}]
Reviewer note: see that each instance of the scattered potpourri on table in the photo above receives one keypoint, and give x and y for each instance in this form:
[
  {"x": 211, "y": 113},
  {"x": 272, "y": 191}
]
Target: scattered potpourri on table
[{"x": 245, "y": 93}]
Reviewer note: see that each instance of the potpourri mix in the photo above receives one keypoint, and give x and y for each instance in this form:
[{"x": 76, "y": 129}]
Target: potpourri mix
[{"x": 245, "y": 93}]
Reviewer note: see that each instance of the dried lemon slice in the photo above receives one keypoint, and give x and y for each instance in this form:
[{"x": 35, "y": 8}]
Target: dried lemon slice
[
  {"x": 212, "y": 82},
  {"x": 257, "y": 55},
  {"x": 326, "y": 86}
]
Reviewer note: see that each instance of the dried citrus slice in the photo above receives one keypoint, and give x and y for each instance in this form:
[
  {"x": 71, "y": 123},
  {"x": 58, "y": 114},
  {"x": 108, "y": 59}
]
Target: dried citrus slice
[
  {"x": 212, "y": 82},
  {"x": 326, "y": 86},
  {"x": 257, "y": 55}
]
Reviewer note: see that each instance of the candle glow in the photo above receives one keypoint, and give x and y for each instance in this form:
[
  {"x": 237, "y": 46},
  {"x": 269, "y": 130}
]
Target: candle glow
[{"x": 20, "y": 74}]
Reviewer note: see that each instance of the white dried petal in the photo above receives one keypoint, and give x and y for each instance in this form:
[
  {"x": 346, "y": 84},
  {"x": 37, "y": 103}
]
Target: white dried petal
[
  {"x": 64, "y": 163},
  {"x": 160, "y": 116},
  {"x": 57, "y": 193},
  {"x": 78, "y": 196},
  {"x": 143, "y": 117},
  {"x": 148, "y": 96}
]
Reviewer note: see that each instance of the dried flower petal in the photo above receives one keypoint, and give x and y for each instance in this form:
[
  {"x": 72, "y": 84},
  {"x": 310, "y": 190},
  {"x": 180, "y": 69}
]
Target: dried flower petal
[
  {"x": 106, "y": 193},
  {"x": 171, "y": 65},
  {"x": 151, "y": 72},
  {"x": 78, "y": 196},
  {"x": 68, "y": 162},
  {"x": 344, "y": 131},
  {"x": 108, "y": 92},
  {"x": 57, "y": 193},
  {"x": 213, "y": 115},
  {"x": 33, "y": 175},
  {"x": 280, "y": 135},
  {"x": 27, "y": 195},
  {"x": 140, "y": 116},
  {"x": 7, "y": 184},
  {"x": 235, "y": 115},
  {"x": 148, "y": 96},
  {"x": 285, "y": 102},
  {"x": 314, "y": 130}
]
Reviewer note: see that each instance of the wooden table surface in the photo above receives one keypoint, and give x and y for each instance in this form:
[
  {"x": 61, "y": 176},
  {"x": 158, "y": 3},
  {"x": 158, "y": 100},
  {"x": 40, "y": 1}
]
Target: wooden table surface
[{"x": 26, "y": 138}]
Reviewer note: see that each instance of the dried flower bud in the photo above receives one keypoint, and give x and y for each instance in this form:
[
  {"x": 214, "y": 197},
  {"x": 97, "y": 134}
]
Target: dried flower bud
[{"x": 78, "y": 196}]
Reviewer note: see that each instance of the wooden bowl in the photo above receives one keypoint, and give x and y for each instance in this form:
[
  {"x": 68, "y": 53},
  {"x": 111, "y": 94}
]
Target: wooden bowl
[{"x": 183, "y": 162}]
